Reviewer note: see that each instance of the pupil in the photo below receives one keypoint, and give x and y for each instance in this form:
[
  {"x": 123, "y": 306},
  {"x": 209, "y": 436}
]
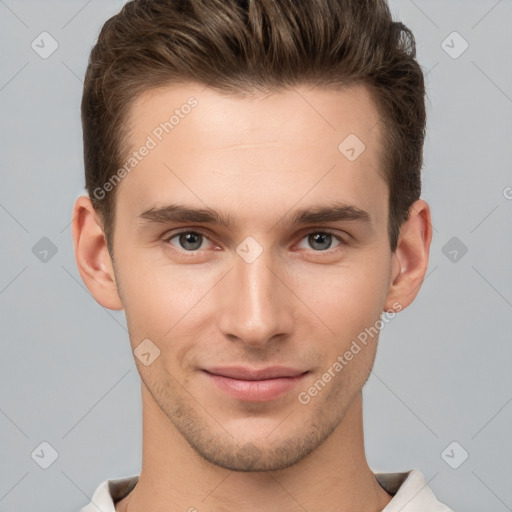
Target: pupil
[
  {"x": 319, "y": 238},
  {"x": 188, "y": 238}
]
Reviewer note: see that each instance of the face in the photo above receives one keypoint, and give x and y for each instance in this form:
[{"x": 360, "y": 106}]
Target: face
[{"x": 247, "y": 238}]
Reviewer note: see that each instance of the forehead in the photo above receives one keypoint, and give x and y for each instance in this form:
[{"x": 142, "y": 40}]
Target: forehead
[
  {"x": 318, "y": 144},
  {"x": 293, "y": 114}
]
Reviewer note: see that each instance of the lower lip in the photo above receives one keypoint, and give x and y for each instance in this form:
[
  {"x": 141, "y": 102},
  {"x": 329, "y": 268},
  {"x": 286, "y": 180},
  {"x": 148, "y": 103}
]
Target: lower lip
[{"x": 255, "y": 390}]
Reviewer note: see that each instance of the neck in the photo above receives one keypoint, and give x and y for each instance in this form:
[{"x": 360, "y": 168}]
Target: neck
[{"x": 333, "y": 478}]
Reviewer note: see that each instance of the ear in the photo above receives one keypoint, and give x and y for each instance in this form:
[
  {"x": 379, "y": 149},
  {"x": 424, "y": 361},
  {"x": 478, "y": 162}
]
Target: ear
[
  {"x": 410, "y": 260},
  {"x": 92, "y": 257}
]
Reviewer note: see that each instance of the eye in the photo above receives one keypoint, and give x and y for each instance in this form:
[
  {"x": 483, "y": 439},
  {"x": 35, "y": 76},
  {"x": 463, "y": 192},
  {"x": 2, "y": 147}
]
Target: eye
[
  {"x": 193, "y": 241},
  {"x": 322, "y": 240},
  {"x": 189, "y": 241}
]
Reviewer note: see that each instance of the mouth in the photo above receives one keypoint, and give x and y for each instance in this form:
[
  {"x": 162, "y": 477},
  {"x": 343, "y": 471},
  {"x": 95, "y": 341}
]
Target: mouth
[{"x": 251, "y": 385}]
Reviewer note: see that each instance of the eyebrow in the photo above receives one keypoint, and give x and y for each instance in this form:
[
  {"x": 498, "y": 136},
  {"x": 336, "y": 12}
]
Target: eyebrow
[{"x": 334, "y": 212}]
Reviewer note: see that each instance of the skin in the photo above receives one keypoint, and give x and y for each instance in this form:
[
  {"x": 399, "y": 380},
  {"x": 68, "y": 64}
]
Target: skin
[{"x": 299, "y": 304}]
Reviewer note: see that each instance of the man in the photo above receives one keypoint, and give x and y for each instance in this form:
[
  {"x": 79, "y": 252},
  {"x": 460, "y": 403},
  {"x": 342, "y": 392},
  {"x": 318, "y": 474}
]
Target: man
[{"x": 253, "y": 177}]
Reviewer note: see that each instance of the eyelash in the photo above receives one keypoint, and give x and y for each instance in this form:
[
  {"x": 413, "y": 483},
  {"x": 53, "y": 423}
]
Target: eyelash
[{"x": 173, "y": 234}]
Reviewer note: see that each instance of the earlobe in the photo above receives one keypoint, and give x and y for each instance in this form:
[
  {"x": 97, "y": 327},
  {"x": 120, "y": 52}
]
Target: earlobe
[
  {"x": 411, "y": 257},
  {"x": 91, "y": 254}
]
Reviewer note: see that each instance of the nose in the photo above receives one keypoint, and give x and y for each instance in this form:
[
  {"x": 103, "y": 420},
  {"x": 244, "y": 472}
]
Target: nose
[{"x": 256, "y": 304}]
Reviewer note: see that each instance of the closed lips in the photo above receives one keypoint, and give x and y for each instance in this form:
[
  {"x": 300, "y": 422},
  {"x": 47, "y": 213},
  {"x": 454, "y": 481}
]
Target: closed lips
[{"x": 241, "y": 373}]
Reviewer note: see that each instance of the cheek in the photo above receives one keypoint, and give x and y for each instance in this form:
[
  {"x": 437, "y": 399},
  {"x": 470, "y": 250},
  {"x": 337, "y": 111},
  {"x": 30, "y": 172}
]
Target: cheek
[
  {"x": 347, "y": 298},
  {"x": 349, "y": 301},
  {"x": 161, "y": 300}
]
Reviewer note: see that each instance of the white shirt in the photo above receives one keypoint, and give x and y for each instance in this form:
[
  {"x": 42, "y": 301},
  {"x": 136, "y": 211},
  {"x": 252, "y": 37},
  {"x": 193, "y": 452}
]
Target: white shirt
[{"x": 410, "y": 492}]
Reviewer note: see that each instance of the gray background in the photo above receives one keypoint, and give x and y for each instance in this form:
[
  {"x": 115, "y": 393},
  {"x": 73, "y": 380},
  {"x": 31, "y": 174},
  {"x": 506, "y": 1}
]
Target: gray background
[{"x": 442, "y": 372}]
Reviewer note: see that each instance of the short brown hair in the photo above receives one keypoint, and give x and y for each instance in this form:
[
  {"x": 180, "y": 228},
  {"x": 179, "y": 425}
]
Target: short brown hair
[{"x": 244, "y": 46}]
